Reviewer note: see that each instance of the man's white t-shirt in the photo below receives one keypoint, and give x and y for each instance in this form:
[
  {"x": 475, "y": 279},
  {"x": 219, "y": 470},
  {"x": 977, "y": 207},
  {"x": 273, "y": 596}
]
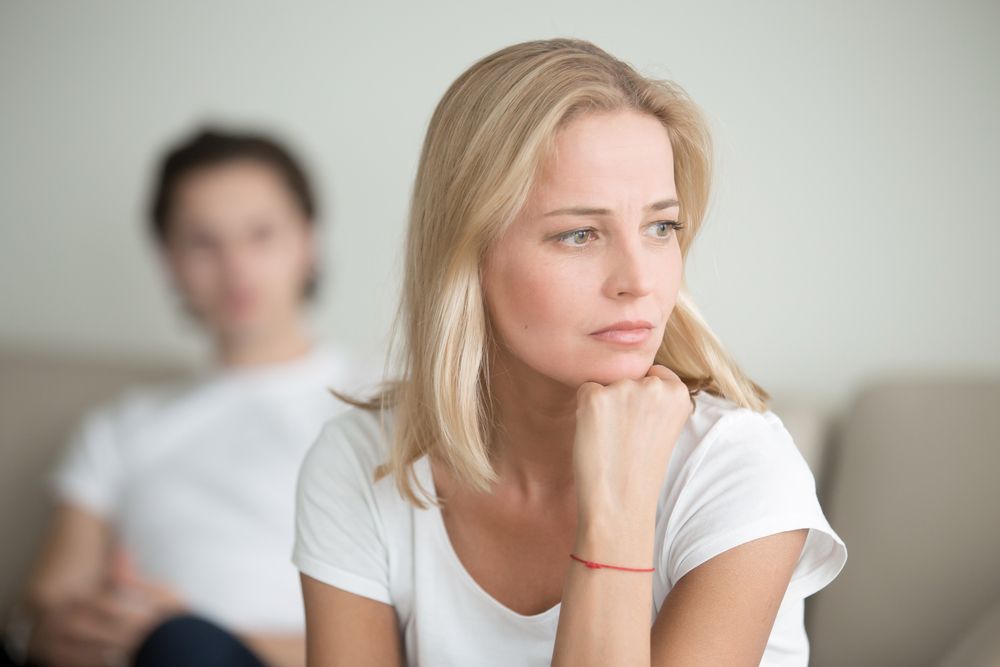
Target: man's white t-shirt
[
  {"x": 197, "y": 477},
  {"x": 735, "y": 475}
]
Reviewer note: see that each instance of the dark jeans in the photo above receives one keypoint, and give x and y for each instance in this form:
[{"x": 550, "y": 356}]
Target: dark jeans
[{"x": 186, "y": 641}]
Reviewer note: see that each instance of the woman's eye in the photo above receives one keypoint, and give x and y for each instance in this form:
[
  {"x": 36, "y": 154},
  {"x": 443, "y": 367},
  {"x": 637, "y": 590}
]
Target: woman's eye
[
  {"x": 577, "y": 237},
  {"x": 664, "y": 228}
]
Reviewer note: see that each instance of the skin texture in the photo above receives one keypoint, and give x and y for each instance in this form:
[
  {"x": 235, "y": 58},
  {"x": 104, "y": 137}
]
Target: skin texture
[
  {"x": 238, "y": 253},
  {"x": 586, "y": 429}
]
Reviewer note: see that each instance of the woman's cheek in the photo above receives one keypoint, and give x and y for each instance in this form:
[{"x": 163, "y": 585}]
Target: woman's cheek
[{"x": 543, "y": 298}]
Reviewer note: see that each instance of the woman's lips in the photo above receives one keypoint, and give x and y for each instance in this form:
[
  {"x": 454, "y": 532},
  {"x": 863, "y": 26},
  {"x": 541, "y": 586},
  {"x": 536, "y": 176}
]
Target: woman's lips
[{"x": 624, "y": 336}]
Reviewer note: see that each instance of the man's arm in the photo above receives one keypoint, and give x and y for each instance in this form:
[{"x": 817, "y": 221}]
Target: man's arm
[{"x": 69, "y": 565}]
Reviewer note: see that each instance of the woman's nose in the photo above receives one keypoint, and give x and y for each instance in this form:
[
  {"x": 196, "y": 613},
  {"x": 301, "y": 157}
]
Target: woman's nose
[{"x": 630, "y": 270}]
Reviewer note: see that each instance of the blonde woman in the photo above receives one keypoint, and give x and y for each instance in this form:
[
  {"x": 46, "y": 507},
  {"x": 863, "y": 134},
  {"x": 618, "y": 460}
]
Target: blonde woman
[{"x": 572, "y": 470}]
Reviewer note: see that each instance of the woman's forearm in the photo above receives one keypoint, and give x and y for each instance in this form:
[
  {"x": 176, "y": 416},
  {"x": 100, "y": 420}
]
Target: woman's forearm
[
  {"x": 604, "y": 618},
  {"x": 277, "y": 650}
]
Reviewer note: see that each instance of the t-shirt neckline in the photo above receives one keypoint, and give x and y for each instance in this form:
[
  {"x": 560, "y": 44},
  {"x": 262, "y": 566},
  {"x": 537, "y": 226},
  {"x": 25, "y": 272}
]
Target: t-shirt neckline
[
  {"x": 264, "y": 374},
  {"x": 441, "y": 532}
]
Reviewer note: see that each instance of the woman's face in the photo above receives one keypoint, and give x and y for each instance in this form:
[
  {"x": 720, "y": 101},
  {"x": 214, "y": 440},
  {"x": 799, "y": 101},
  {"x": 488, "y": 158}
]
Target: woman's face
[
  {"x": 594, "y": 246},
  {"x": 239, "y": 248}
]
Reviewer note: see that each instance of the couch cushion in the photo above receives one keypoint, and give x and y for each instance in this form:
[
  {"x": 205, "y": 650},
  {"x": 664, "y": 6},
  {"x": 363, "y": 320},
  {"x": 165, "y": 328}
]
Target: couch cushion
[
  {"x": 980, "y": 647},
  {"x": 913, "y": 482}
]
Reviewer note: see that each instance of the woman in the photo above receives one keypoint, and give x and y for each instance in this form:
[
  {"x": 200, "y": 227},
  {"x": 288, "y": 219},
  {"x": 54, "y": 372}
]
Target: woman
[
  {"x": 169, "y": 542},
  {"x": 613, "y": 489}
]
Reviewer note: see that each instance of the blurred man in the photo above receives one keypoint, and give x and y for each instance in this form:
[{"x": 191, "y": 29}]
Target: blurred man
[{"x": 173, "y": 525}]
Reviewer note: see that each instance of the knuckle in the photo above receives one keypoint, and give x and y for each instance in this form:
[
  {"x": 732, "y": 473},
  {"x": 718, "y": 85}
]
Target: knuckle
[{"x": 650, "y": 381}]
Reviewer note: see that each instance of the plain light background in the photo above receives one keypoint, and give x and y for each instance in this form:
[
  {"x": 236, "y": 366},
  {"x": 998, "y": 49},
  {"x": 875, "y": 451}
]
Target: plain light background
[{"x": 853, "y": 231}]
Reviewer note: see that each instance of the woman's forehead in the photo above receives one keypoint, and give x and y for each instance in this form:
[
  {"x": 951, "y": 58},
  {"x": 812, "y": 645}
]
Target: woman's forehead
[{"x": 606, "y": 150}]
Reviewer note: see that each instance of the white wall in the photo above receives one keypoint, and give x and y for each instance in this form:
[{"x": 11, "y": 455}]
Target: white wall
[{"x": 852, "y": 230}]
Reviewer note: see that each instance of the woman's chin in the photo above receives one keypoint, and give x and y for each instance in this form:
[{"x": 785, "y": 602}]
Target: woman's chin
[{"x": 622, "y": 369}]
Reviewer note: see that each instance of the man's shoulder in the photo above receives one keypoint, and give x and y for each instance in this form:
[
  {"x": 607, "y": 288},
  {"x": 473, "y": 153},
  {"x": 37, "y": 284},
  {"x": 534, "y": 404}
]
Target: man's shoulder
[
  {"x": 135, "y": 405},
  {"x": 350, "y": 364}
]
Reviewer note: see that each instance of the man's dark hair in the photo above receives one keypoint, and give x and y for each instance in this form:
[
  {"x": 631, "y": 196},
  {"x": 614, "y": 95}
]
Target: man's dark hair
[{"x": 210, "y": 147}]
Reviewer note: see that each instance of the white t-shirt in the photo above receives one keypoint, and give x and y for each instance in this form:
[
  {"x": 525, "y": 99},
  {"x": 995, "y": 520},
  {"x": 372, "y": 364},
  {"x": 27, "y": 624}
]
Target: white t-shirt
[
  {"x": 735, "y": 475},
  {"x": 198, "y": 479}
]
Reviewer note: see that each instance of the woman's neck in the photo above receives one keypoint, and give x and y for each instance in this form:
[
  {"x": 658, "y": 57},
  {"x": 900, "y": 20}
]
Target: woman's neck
[{"x": 536, "y": 422}]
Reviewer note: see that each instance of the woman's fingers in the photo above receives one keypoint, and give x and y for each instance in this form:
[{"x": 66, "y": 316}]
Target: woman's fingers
[
  {"x": 664, "y": 373},
  {"x": 661, "y": 371}
]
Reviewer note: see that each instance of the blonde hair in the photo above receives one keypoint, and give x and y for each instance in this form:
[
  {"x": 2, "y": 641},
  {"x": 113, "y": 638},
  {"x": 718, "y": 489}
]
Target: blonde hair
[{"x": 486, "y": 141}]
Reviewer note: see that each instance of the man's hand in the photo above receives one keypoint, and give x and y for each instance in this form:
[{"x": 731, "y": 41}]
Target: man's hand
[{"x": 106, "y": 627}]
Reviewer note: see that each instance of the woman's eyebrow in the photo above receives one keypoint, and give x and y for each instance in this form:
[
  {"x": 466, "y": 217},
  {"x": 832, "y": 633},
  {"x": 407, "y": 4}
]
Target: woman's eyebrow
[{"x": 589, "y": 210}]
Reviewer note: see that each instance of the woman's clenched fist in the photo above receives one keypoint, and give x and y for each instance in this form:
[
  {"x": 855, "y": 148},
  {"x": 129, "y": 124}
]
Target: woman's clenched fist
[{"x": 625, "y": 435}]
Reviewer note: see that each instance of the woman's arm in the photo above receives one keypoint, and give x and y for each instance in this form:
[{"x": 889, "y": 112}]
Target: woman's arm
[
  {"x": 348, "y": 630},
  {"x": 722, "y": 612},
  {"x": 719, "y": 613},
  {"x": 604, "y": 616}
]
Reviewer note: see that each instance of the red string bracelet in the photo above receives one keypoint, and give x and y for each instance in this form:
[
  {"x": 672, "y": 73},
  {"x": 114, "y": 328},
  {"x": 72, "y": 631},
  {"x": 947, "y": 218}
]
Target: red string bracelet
[{"x": 595, "y": 565}]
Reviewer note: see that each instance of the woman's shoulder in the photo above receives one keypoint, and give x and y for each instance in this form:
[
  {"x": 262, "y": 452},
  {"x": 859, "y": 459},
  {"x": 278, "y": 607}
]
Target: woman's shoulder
[
  {"x": 738, "y": 475},
  {"x": 714, "y": 413},
  {"x": 354, "y": 442},
  {"x": 720, "y": 430}
]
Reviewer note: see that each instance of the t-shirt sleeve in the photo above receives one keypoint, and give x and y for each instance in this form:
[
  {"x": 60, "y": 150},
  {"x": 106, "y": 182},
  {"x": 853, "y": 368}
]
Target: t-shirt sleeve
[
  {"x": 338, "y": 534},
  {"x": 89, "y": 471},
  {"x": 747, "y": 482}
]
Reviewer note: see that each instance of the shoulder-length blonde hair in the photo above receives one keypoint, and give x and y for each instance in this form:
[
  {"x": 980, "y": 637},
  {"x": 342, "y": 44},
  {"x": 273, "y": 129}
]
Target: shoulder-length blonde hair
[{"x": 486, "y": 141}]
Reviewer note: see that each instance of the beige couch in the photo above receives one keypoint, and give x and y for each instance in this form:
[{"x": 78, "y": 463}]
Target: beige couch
[{"x": 909, "y": 476}]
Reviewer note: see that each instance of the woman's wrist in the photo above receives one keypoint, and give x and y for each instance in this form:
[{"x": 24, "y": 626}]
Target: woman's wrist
[
  {"x": 603, "y": 515},
  {"x": 625, "y": 540}
]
